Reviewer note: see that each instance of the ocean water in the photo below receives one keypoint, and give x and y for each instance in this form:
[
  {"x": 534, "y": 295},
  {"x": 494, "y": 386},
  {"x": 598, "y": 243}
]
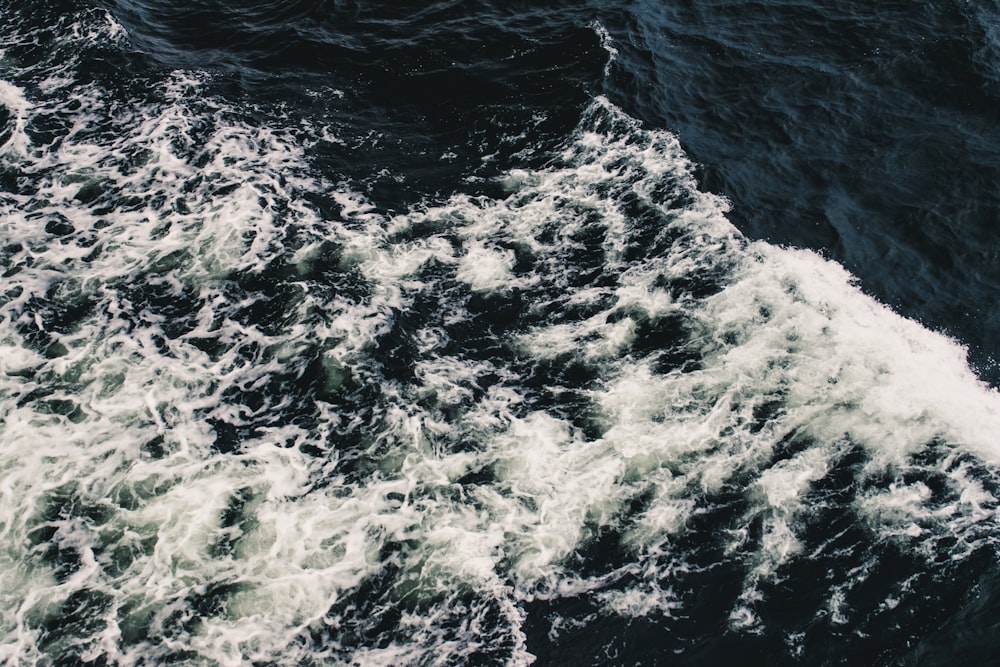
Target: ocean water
[{"x": 474, "y": 333}]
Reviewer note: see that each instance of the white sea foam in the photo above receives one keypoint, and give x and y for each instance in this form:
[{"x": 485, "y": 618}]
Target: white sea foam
[
  {"x": 486, "y": 269},
  {"x": 169, "y": 474},
  {"x": 607, "y": 43},
  {"x": 13, "y": 100}
]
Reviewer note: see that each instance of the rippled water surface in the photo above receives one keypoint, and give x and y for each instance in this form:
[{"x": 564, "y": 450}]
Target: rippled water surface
[{"x": 461, "y": 333}]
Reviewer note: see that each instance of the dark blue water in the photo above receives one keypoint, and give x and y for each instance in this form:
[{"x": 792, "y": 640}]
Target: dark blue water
[
  {"x": 868, "y": 132},
  {"x": 467, "y": 333}
]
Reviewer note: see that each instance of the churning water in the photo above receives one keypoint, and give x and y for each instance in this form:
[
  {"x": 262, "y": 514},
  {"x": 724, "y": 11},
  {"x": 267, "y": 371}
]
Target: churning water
[{"x": 340, "y": 333}]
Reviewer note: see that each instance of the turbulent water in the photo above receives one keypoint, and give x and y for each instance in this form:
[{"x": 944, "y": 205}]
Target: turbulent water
[{"x": 341, "y": 333}]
